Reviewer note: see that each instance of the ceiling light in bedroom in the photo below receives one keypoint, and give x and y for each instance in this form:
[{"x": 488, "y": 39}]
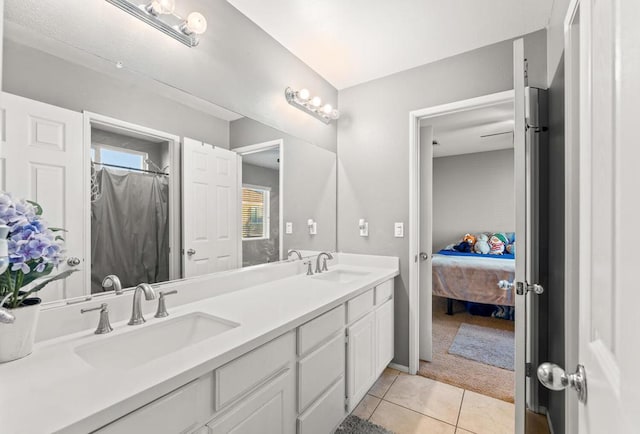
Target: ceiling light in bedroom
[
  {"x": 302, "y": 100},
  {"x": 161, "y": 15}
]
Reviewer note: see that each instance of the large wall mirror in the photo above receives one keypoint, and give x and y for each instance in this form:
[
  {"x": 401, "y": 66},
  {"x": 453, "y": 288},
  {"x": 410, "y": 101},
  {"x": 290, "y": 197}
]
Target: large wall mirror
[{"x": 151, "y": 183}]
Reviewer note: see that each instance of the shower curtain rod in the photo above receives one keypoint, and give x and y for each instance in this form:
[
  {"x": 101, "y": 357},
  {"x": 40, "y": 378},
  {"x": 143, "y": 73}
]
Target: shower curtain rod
[{"x": 131, "y": 168}]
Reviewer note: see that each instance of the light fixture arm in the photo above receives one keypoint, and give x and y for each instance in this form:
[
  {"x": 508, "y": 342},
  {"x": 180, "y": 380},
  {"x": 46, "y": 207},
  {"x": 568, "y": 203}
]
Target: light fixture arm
[{"x": 306, "y": 106}]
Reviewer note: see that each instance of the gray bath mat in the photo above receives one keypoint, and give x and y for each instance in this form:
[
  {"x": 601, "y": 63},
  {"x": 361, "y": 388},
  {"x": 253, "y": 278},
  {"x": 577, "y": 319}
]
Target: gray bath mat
[
  {"x": 485, "y": 345},
  {"x": 354, "y": 425}
]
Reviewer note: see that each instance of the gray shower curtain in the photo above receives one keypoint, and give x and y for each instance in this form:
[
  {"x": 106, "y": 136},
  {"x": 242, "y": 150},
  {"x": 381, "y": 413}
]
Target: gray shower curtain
[{"x": 130, "y": 228}]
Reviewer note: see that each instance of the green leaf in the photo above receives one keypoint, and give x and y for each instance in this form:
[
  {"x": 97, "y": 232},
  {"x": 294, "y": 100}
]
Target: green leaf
[
  {"x": 58, "y": 230},
  {"x": 60, "y": 276},
  {"x": 33, "y": 275},
  {"x": 37, "y": 207}
]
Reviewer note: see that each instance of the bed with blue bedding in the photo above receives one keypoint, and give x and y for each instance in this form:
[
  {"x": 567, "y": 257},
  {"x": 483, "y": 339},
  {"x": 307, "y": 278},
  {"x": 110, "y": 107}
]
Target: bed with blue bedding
[{"x": 473, "y": 277}]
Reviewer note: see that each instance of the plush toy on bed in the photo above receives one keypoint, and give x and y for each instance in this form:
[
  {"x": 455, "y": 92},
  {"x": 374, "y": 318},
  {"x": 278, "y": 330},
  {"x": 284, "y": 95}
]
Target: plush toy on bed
[
  {"x": 482, "y": 244},
  {"x": 466, "y": 245},
  {"x": 497, "y": 243}
]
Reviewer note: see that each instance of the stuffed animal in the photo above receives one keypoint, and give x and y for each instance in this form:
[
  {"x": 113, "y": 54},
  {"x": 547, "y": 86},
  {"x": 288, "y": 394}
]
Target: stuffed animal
[
  {"x": 511, "y": 248},
  {"x": 471, "y": 239},
  {"x": 496, "y": 244},
  {"x": 463, "y": 247},
  {"x": 482, "y": 244}
]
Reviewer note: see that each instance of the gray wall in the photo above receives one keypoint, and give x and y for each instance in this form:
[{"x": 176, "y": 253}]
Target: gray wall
[
  {"x": 373, "y": 140},
  {"x": 262, "y": 251},
  {"x": 309, "y": 184},
  {"x": 38, "y": 75},
  {"x": 472, "y": 193},
  {"x": 237, "y": 65}
]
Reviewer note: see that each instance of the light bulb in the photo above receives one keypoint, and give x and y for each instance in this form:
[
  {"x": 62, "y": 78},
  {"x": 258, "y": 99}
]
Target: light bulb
[
  {"x": 316, "y": 101},
  {"x": 327, "y": 109},
  {"x": 304, "y": 94},
  {"x": 157, "y": 7},
  {"x": 195, "y": 23},
  {"x": 335, "y": 114}
]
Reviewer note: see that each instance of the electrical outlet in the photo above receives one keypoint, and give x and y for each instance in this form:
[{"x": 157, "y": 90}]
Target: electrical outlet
[
  {"x": 398, "y": 229},
  {"x": 288, "y": 228}
]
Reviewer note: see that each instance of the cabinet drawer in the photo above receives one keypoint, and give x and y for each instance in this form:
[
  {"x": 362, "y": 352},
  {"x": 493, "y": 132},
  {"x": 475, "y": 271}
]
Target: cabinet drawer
[
  {"x": 384, "y": 291},
  {"x": 319, "y": 329},
  {"x": 326, "y": 413},
  {"x": 319, "y": 370},
  {"x": 180, "y": 411},
  {"x": 359, "y": 306},
  {"x": 249, "y": 371}
]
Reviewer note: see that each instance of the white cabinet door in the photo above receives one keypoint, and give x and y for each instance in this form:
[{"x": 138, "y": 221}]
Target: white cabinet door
[
  {"x": 271, "y": 409},
  {"x": 384, "y": 336},
  {"x": 210, "y": 208},
  {"x": 42, "y": 160},
  {"x": 361, "y": 359}
]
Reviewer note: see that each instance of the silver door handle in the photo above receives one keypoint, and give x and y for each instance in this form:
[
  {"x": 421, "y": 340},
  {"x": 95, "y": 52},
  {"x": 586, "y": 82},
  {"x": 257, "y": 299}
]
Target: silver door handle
[
  {"x": 73, "y": 261},
  {"x": 424, "y": 256},
  {"x": 553, "y": 377},
  {"x": 191, "y": 252},
  {"x": 505, "y": 284}
]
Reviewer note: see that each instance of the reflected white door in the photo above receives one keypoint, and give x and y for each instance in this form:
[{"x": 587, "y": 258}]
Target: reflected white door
[
  {"x": 426, "y": 235},
  {"x": 210, "y": 209},
  {"x": 609, "y": 209},
  {"x": 42, "y": 160}
]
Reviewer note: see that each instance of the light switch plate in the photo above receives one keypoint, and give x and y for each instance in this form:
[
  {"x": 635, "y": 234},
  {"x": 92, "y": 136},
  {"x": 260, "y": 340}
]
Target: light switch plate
[
  {"x": 398, "y": 229},
  {"x": 288, "y": 228},
  {"x": 313, "y": 229}
]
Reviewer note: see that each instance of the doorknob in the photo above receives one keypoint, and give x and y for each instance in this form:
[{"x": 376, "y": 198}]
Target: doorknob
[
  {"x": 505, "y": 284},
  {"x": 424, "y": 256},
  {"x": 73, "y": 261},
  {"x": 191, "y": 252},
  {"x": 553, "y": 377}
]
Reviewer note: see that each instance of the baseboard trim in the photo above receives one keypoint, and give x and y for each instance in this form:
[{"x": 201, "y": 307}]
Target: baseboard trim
[{"x": 400, "y": 368}]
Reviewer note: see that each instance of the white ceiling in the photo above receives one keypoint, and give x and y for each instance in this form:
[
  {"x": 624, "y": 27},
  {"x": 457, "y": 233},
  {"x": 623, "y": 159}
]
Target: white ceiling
[
  {"x": 478, "y": 130},
  {"x": 353, "y": 41},
  {"x": 267, "y": 159}
]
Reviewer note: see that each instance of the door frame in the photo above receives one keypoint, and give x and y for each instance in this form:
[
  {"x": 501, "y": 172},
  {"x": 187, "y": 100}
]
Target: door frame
[
  {"x": 91, "y": 119},
  {"x": 265, "y": 146},
  {"x": 415, "y": 117},
  {"x": 573, "y": 103}
]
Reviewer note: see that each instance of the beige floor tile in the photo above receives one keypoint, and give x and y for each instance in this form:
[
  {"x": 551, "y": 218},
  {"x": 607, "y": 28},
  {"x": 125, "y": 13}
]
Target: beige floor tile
[
  {"x": 485, "y": 415},
  {"x": 462, "y": 431},
  {"x": 404, "y": 421},
  {"x": 365, "y": 408},
  {"x": 381, "y": 386},
  {"x": 429, "y": 397}
]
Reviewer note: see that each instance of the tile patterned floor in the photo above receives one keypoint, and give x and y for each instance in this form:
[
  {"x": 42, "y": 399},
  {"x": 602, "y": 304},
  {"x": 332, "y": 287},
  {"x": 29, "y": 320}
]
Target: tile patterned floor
[{"x": 410, "y": 404}]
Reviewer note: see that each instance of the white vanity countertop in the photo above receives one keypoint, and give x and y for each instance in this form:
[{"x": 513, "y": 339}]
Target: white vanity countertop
[{"x": 53, "y": 389}]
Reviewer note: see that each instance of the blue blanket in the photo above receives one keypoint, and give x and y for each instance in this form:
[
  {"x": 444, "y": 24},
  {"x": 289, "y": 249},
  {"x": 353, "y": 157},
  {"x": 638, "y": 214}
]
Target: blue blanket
[{"x": 478, "y": 255}]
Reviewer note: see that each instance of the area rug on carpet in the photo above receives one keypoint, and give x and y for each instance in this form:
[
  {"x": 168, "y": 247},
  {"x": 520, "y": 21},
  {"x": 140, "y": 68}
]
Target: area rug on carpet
[
  {"x": 485, "y": 345},
  {"x": 354, "y": 425}
]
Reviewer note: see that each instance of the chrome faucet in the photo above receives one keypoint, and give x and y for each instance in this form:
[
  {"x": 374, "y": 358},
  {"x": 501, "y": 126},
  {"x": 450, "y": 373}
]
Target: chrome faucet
[
  {"x": 103, "y": 324},
  {"x": 324, "y": 255},
  {"x": 112, "y": 281},
  {"x": 136, "y": 313},
  {"x": 292, "y": 251}
]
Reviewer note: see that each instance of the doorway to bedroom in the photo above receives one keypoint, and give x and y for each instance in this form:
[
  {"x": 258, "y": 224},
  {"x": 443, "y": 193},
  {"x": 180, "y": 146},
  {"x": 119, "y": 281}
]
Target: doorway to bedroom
[{"x": 467, "y": 234}]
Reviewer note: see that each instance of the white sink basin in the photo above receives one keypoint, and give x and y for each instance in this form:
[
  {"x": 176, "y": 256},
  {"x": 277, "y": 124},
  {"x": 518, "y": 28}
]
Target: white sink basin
[
  {"x": 340, "y": 276},
  {"x": 152, "y": 341}
]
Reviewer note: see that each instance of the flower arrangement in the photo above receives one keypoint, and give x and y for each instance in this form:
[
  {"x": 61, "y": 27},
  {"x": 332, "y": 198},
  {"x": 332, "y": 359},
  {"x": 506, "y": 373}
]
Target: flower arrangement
[{"x": 34, "y": 249}]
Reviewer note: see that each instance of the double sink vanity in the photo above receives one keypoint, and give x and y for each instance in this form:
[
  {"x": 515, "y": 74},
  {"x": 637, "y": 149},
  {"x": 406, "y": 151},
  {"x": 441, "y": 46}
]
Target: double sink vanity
[{"x": 264, "y": 349}]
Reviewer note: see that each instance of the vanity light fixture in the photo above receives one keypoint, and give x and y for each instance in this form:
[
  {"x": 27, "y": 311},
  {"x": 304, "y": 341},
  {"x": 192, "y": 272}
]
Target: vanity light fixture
[
  {"x": 302, "y": 99},
  {"x": 161, "y": 15}
]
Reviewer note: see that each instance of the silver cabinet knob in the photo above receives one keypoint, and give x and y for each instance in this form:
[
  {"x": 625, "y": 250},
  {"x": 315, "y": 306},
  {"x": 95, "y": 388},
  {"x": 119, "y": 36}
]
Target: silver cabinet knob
[
  {"x": 191, "y": 252},
  {"x": 553, "y": 377},
  {"x": 424, "y": 256},
  {"x": 73, "y": 261}
]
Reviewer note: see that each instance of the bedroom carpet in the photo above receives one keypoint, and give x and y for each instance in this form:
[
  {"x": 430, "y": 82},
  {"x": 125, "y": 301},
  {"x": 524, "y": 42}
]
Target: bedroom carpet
[
  {"x": 486, "y": 345},
  {"x": 459, "y": 371}
]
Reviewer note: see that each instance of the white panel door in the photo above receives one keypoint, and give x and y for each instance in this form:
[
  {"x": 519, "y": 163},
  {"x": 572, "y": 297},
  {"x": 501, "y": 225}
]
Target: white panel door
[
  {"x": 609, "y": 186},
  {"x": 384, "y": 336},
  {"x": 42, "y": 160},
  {"x": 210, "y": 208},
  {"x": 426, "y": 242},
  {"x": 361, "y": 359}
]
